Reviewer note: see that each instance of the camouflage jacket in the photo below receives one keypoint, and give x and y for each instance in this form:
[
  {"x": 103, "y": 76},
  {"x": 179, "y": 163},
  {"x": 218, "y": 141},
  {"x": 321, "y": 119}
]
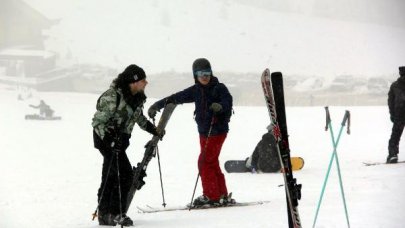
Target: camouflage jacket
[{"x": 124, "y": 116}]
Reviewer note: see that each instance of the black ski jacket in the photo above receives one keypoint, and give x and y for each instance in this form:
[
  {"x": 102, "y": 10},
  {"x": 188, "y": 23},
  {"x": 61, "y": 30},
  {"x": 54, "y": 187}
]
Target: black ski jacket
[
  {"x": 396, "y": 100},
  {"x": 265, "y": 156}
]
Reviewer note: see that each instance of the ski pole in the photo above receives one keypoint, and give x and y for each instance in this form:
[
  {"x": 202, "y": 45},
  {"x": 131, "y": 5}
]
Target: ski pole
[
  {"x": 204, "y": 151},
  {"x": 160, "y": 172},
  {"x": 346, "y": 117},
  {"x": 161, "y": 179},
  {"x": 195, "y": 187},
  {"x": 119, "y": 188},
  {"x": 102, "y": 191},
  {"x": 334, "y": 154}
]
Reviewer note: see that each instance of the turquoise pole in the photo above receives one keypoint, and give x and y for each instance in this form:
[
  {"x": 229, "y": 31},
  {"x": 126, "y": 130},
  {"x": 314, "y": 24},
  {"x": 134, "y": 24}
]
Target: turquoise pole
[{"x": 334, "y": 155}]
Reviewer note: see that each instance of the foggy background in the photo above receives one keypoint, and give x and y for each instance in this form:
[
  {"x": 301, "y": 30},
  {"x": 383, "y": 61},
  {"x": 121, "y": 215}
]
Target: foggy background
[{"x": 330, "y": 52}]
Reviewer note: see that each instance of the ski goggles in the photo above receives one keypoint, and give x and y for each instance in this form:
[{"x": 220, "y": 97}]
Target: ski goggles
[{"x": 203, "y": 73}]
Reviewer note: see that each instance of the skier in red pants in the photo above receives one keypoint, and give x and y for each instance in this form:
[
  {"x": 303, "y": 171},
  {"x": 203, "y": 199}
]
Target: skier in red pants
[
  {"x": 212, "y": 178},
  {"x": 213, "y": 110}
]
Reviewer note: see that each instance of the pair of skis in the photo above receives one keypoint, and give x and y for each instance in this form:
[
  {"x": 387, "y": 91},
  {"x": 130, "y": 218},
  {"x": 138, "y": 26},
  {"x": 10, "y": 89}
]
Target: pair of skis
[
  {"x": 273, "y": 90},
  {"x": 140, "y": 171},
  {"x": 150, "y": 209}
]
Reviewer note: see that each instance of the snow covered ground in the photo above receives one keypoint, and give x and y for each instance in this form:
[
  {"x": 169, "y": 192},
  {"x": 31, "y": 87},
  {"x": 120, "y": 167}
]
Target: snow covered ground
[
  {"x": 168, "y": 35},
  {"x": 50, "y": 171}
]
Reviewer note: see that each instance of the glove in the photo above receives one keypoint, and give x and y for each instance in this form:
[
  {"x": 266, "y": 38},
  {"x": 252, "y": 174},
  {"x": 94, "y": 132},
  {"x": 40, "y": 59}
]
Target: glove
[
  {"x": 118, "y": 142},
  {"x": 153, "y": 110},
  {"x": 111, "y": 132},
  {"x": 171, "y": 100},
  {"x": 216, "y": 107},
  {"x": 154, "y": 131},
  {"x": 110, "y": 136}
]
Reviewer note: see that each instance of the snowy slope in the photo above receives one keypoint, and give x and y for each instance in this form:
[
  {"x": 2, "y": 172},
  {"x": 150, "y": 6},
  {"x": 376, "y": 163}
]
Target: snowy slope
[
  {"x": 50, "y": 171},
  {"x": 169, "y": 35}
]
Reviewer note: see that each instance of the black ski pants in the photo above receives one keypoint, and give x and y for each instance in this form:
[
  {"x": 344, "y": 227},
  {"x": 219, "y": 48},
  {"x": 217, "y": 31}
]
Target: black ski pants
[
  {"x": 393, "y": 144},
  {"x": 109, "y": 199}
]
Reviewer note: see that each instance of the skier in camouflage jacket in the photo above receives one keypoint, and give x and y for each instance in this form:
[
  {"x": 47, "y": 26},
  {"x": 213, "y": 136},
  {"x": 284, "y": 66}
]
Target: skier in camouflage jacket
[
  {"x": 396, "y": 105},
  {"x": 118, "y": 109}
]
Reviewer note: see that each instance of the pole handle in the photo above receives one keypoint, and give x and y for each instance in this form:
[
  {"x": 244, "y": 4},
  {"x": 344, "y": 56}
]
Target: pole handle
[
  {"x": 328, "y": 120},
  {"x": 347, "y": 118}
]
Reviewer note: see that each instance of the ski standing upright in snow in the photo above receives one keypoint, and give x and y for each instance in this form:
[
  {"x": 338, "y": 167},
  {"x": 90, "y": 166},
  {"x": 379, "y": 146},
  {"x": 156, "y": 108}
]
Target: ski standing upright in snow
[
  {"x": 274, "y": 96},
  {"x": 140, "y": 171}
]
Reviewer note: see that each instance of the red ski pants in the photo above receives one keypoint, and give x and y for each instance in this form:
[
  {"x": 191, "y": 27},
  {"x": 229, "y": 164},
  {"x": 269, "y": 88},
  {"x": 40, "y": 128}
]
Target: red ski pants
[{"x": 212, "y": 178}]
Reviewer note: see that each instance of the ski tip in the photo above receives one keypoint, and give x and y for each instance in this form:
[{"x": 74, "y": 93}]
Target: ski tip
[
  {"x": 276, "y": 74},
  {"x": 266, "y": 71}
]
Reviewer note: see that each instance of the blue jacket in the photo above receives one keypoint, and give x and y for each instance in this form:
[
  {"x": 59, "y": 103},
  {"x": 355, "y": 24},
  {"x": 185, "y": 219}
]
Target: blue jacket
[{"x": 203, "y": 97}]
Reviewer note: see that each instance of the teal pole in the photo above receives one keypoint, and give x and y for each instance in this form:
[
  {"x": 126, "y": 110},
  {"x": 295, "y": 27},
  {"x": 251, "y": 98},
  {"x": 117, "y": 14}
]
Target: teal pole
[
  {"x": 346, "y": 117},
  {"x": 334, "y": 155}
]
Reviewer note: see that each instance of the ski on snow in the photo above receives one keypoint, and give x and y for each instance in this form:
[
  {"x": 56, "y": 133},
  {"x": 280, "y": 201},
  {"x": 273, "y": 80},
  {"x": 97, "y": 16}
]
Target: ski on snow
[
  {"x": 380, "y": 163},
  {"x": 150, "y": 209}
]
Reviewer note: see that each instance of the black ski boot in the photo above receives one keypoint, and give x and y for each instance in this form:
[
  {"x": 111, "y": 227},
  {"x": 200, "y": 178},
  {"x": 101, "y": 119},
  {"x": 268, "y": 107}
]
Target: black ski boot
[
  {"x": 392, "y": 158},
  {"x": 124, "y": 220},
  {"x": 106, "y": 219},
  {"x": 202, "y": 201},
  {"x": 227, "y": 200}
]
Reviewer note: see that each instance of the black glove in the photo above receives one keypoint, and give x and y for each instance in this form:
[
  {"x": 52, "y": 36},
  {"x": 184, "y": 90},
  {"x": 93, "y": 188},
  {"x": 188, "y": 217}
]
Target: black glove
[
  {"x": 118, "y": 142},
  {"x": 170, "y": 100},
  {"x": 154, "y": 131},
  {"x": 216, "y": 107},
  {"x": 111, "y": 132},
  {"x": 153, "y": 110},
  {"x": 110, "y": 136}
]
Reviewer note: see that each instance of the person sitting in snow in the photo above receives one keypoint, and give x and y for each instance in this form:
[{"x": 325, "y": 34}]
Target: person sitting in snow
[
  {"x": 44, "y": 109},
  {"x": 213, "y": 110},
  {"x": 264, "y": 157},
  {"x": 396, "y": 105}
]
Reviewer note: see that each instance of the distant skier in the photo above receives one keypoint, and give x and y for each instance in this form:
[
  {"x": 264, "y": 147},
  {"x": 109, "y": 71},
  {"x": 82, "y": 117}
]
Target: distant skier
[
  {"x": 44, "y": 109},
  {"x": 118, "y": 109},
  {"x": 264, "y": 157},
  {"x": 213, "y": 109},
  {"x": 396, "y": 105}
]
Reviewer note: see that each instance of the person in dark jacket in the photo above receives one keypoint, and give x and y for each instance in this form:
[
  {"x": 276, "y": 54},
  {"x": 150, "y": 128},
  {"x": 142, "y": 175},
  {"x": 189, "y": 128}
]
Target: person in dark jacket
[
  {"x": 213, "y": 109},
  {"x": 44, "y": 109},
  {"x": 264, "y": 157},
  {"x": 396, "y": 105},
  {"x": 118, "y": 109}
]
